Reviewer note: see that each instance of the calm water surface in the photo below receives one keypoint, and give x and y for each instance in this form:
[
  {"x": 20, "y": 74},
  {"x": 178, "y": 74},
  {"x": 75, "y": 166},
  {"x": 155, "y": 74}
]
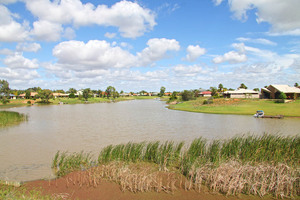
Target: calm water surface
[{"x": 26, "y": 150}]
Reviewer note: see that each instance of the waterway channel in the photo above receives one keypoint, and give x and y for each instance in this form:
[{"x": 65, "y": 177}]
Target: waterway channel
[{"x": 26, "y": 150}]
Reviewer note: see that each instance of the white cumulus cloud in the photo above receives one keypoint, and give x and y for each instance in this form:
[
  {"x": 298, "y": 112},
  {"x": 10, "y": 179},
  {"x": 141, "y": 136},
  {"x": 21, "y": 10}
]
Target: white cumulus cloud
[
  {"x": 94, "y": 54},
  {"x": 19, "y": 62},
  {"x": 130, "y": 18},
  {"x": 29, "y": 47},
  {"x": 194, "y": 52},
  {"x": 157, "y": 49},
  {"x": 284, "y": 16},
  {"x": 46, "y": 30},
  {"x": 11, "y": 30},
  {"x": 232, "y": 57},
  {"x": 190, "y": 71}
]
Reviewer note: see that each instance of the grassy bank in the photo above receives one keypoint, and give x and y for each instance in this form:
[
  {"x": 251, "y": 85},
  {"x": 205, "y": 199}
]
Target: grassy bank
[
  {"x": 8, "y": 192},
  {"x": 240, "y": 106},
  {"x": 258, "y": 165},
  {"x": 8, "y": 118}
]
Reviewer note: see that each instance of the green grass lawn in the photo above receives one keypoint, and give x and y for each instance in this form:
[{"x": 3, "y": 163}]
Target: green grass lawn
[{"x": 241, "y": 107}]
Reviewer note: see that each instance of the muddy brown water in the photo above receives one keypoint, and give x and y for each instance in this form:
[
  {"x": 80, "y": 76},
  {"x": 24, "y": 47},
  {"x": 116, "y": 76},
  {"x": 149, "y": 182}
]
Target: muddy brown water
[{"x": 26, "y": 150}]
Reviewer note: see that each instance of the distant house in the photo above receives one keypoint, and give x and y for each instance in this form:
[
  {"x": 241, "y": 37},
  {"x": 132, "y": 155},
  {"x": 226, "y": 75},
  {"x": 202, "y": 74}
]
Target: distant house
[
  {"x": 10, "y": 96},
  {"x": 79, "y": 93},
  {"x": 205, "y": 94},
  {"x": 168, "y": 93},
  {"x": 273, "y": 91},
  {"x": 56, "y": 95},
  {"x": 32, "y": 95},
  {"x": 125, "y": 94},
  {"x": 241, "y": 93}
]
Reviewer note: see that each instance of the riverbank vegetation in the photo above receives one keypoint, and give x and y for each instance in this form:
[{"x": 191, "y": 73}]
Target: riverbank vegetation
[
  {"x": 8, "y": 118},
  {"x": 239, "y": 106},
  {"x": 258, "y": 165}
]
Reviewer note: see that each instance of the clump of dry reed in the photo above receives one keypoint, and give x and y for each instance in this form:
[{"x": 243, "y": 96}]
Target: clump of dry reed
[
  {"x": 232, "y": 178},
  {"x": 135, "y": 180}
]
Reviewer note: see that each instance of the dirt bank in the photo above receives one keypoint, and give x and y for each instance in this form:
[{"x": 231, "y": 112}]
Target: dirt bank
[{"x": 63, "y": 187}]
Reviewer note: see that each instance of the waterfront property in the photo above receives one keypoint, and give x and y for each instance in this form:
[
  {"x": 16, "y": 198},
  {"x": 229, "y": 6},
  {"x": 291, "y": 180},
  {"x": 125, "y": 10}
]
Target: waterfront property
[
  {"x": 57, "y": 95},
  {"x": 273, "y": 92},
  {"x": 241, "y": 93},
  {"x": 32, "y": 95},
  {"x": 205, "y": 94}
]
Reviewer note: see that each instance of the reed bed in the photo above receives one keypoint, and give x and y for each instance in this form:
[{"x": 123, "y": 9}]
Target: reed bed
[
  {"x": 64, "y": 163},
  {"x": 162, "y": 154},
  {"x": 8, "y": 118},
  {"x": 129, "y": 177},
  {"x": 259, "y": 165},
  {"x": 232, "y": 178}
]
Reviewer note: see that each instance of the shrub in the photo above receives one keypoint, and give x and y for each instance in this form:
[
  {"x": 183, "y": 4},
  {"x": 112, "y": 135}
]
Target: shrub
[
  {"x": 72, "y": 95},
  {"x": 282, "y": 96},
  {"x": 187, "y": 95}
]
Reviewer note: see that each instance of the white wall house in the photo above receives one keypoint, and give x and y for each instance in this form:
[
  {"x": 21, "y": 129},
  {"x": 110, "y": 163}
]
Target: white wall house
[{"x": 241, "y": 93}]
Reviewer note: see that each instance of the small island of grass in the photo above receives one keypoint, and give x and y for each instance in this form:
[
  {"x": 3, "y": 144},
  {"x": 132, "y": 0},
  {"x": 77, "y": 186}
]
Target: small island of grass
[{"x": 8, "y": 118}]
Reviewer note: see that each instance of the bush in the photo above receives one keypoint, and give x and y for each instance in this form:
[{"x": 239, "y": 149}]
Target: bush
[
  {"x": 209, "y": 101},
  {"x": 282, "y": 96},
  {"x": 29, "y": 102},
  {"x": 187, "y": 95},
  {"x": 72, "y": 95}
]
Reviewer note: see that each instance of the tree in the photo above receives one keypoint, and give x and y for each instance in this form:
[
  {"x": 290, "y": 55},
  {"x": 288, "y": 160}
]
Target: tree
[
  {"x": 110, "y": 90},
  {"x": 256, "y": 89},
  {"x": 27, "y": 94},
  {"x": 187, "y": 95},
  {"x": 173, "y": 96},
  {"x": 296, "y": 85},
  {"x": 59, "y": 91},
  {"x": 162, "y": 91},
  {"x": 143, "y": 92},
  {"x": 213, "y": 91},
  {"x": 99, "y": 93},
  {"x": 45, "y": 95},
  {"x": 72, "y": 90},
  {"x": 85, "y": 93},
  {"x": 243, "y": 86},
  {"x": 220, "y": 87},
  {"x": 4, "y": 91}
]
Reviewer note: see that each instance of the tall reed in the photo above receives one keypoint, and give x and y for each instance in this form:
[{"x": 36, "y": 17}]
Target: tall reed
[{"x": 64, "y": 163}]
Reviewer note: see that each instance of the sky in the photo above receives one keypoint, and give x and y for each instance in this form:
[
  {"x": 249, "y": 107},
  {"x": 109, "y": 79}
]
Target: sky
[{"x": 146, "y": 44}]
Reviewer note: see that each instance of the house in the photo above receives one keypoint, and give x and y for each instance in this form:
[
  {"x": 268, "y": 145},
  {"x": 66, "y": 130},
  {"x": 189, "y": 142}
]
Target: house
[
  {"x": 10, "y": 96},
  {"x": 56, "y": 95},
  {"x": 79, "y": 93},
  {"x": 241, "y": 93},
  {"x": 168, "y": 93},
  {"x": 273, "y": 92},
  {"x": 205, "y": 94},
  {"x": 32, "y": 95}
]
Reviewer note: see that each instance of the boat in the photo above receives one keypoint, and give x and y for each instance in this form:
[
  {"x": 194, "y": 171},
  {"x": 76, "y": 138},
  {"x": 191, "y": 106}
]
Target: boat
[{"x": 259, "y": 114}]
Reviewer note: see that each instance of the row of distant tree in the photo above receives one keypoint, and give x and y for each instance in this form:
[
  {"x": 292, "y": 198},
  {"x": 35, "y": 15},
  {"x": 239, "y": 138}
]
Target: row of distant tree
[{"x": 110, "y": 92}]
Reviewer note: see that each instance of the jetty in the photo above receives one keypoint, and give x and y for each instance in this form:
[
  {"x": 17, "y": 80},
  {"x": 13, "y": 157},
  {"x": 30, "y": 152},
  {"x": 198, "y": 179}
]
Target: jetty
[{"x": 273, "y": 116}]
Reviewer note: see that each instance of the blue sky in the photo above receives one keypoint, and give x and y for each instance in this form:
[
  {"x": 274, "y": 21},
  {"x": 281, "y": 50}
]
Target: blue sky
[{"x": 146, "y": 44}]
